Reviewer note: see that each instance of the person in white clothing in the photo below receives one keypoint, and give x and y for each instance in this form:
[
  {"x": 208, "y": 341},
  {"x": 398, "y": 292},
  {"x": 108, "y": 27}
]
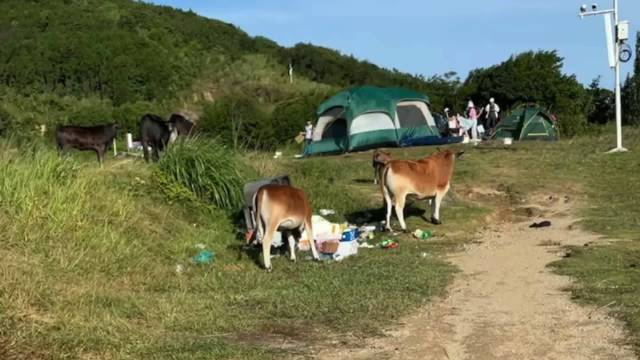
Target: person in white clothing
[
  {"x": 472, "y": 113},
  {"x": 308, "y": 136},
  {"x": 492, "y": 111}
]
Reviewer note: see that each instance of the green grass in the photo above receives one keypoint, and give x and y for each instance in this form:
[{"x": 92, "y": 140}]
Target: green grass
[
  {"x": 89, "y": 253},
  {"x": 89, "y": 258}
]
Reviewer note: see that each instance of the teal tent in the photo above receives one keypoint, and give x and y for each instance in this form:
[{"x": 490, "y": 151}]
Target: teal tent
[
  {"x": 527, "y": 122},
  {"x": 370, "y": 117}
]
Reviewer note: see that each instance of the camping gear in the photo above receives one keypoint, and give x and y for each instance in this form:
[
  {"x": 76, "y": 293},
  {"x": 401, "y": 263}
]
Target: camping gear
[
  {"x": 350, "y": 235},
  {"x": 527, "y": 122},
  {"x": 329, "y": 247},
  {"x": 346, "y": 249},
  {"x": 368, "y": 117}
]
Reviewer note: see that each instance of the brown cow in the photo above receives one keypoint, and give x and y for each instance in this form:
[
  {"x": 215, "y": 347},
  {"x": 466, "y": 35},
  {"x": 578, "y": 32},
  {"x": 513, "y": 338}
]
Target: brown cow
[
  {"x": 427, "y": 178},
  {"x": 380, "y": 159},
  {"x": 282, "y": 208}
]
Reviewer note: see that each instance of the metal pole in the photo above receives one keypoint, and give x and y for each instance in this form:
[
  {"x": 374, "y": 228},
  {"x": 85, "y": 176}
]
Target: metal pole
[{"x": 619, "y": 147}]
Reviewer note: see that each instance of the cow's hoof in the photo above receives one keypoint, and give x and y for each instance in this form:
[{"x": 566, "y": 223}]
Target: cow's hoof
[
  {"x": 268, "y": 269},
  {"x": 435, "y": 221}
]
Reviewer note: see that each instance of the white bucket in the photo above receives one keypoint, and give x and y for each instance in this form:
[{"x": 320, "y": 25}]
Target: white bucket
[{"x": 508, "y": 141}]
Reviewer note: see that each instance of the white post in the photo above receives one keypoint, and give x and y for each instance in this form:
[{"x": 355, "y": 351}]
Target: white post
[
  {"x": 616, "y": 21},
  {"x": 290, "y": 73},
  {"x": 115, "y": 151},
  {"x": 129, "y": 141}
]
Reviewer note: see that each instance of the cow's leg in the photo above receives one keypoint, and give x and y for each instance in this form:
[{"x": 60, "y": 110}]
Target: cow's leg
[
  {"x": 292, "y": 246},
  {"x": 145, "y": 150},
  {"x": 99, "y": 153},
  {"x": 266, "y": 245},
  {"x": 376, "y": 172},
  {"x": 387, "y": 199},
  {"x": 400, "y": 200},
  {"x": 308, "y": 227},
  {"x": 435, "y": 215}
]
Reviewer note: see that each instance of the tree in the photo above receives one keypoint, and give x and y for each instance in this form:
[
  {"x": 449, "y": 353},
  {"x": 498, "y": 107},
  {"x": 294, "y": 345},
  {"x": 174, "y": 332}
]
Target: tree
[
  {"x": 531, "y": 77},
  {"x": 631, "y": 92},
  {"x": 601, "y": 107}
]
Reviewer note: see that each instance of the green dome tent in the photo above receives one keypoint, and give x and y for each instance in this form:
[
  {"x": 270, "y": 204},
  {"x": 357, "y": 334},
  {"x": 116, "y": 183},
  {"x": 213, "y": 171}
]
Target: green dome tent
[
  {"x": 527, "y": 122},
  {"x": 369, "y": 117}
]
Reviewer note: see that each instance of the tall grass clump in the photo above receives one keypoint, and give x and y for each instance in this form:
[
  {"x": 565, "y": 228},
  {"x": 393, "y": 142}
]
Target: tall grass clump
[{"x": 211, "y": 171}]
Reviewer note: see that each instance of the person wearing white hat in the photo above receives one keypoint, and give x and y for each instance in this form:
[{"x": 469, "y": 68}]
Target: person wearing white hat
[{"x": 492, "y": 111}]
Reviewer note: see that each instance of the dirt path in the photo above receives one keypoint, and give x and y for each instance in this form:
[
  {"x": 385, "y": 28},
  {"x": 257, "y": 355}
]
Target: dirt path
[{"x": 506, "y": 304}]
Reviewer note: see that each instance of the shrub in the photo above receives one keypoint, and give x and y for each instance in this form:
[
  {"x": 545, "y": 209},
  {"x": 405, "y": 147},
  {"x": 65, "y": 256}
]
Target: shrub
[
  {"x": 236, "y": 120},
  {"x": 210, "y": 170}
]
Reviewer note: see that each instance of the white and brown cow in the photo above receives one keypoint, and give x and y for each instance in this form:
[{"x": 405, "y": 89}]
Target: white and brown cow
[
  {"x": 283, "y": 208},
  {"x": 427, "y": 178}
]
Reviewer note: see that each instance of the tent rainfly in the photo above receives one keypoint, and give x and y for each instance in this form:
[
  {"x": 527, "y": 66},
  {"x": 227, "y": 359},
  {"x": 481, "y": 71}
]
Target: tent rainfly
[
  {"x": 527, "y": 122},
  {"x": 370, "y": 117}
]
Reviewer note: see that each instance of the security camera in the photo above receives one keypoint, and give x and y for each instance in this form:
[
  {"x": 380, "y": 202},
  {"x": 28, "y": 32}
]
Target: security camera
[
  {"x": 583, "y": 9},
  {"x": 594, "y": 7}
]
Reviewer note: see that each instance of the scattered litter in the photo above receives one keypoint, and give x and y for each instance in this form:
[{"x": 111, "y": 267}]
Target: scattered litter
[
  {"x": 326, "y": 212},
  {"x": 541, "y": 224},
  {"x": 422, "y": 235},
  {"x": 298, "y": 156},
  {"x": 388, "y": 244},
  {"x": 277, "y": 155},
  {"x": 179, "y": 269},
  {"x": 366, "y": 245},
  {"x": 201, "y": 246},
  {"x": 424, "y": 255},
  {"x": 204, "y": 257}
]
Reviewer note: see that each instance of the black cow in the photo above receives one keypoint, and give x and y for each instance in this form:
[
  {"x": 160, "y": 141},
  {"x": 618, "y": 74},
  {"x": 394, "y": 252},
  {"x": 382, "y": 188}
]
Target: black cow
[
  {"x": 156, "y": 133},
  {"x": 183, "y": 125},
  {"x": 96, "y": 138}
]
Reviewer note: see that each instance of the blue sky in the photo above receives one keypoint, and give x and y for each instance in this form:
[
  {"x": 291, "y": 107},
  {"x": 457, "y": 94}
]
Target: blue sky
[{"x": 428, "y": 36}]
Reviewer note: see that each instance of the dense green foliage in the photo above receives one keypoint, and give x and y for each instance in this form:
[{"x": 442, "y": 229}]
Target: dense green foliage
[
  {"x": 209, "y": 170},
  {"x": 631, "y": 91},
  {"x": 91, "y": 61}
]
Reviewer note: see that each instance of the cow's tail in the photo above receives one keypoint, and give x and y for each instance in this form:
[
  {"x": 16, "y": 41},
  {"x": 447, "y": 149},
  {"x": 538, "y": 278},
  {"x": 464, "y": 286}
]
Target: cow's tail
[
  {"x": 259, "y": 230},
  {"x": 386, "y": 192}
]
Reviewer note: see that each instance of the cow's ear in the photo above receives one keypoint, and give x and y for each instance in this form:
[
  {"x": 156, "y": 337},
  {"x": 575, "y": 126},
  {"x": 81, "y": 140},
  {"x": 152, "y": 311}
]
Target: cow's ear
[{"x": 459, "y": 154}]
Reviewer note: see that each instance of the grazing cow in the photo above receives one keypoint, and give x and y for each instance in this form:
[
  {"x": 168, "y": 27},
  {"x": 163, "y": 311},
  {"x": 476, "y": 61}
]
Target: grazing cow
[
  {"x": 380, "y": 159},
  {"x": 282, "y": 208},
  {"x": 96, "y": 138},
  {"x": 157, "y": 134},
  {"x": 183, "y": 125},
  {"x": 427, "y": 178}
]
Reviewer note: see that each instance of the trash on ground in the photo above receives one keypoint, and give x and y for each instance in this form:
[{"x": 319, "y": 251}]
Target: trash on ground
[
  {"x": 541, "y": 224},
  {"x": 422, "y": 235},
  {"x": 204, "y": 257},
  {"x": 277, "y": 155},
  {"x": 346, "y": 249},
  {"x": 200, "y": 246},
  {"x": 179, "y": 269},
  {"x": 366, "y": 245},
  {"x": 298, "y": 156},
  {"x": 325, "y": 212},
  {"x": 388, "y": 244}
]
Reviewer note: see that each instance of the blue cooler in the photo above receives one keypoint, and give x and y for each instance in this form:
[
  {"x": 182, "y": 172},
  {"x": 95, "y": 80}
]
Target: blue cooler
[{"x": 350, "y": 235}]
